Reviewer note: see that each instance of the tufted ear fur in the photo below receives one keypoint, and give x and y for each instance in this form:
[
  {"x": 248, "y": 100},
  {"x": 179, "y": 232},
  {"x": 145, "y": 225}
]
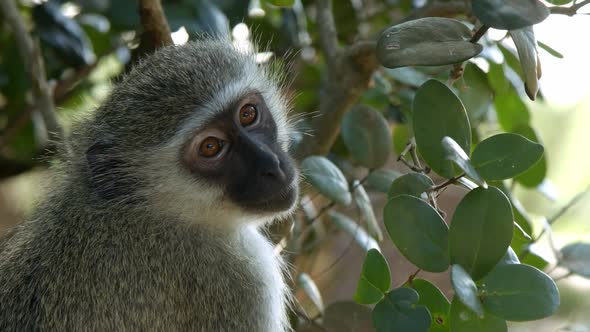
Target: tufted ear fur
[{"x": 108, "y": 173}]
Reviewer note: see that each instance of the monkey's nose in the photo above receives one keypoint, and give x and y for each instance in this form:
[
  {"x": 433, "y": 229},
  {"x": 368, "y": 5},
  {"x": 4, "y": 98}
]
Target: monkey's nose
[{"x": 271, "y": 169}]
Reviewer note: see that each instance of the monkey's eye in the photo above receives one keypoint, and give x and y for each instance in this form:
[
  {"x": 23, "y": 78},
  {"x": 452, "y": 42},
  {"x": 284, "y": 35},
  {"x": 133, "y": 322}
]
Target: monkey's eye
[
  {"x": 210, "y": 147},
  {"x": 248, "y": 114}
]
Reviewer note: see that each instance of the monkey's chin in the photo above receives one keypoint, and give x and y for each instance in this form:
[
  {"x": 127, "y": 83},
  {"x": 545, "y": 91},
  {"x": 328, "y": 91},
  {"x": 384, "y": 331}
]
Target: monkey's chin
[{"x": 276, "y": 204}]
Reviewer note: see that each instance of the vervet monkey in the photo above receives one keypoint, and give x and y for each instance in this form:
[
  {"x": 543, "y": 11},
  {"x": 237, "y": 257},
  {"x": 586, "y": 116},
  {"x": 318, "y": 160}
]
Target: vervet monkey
[{"x": 152, "y": 220}]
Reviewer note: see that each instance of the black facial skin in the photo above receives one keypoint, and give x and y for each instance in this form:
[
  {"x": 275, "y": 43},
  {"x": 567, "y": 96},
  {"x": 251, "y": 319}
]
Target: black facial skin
[{"x": 255, "y": 172}]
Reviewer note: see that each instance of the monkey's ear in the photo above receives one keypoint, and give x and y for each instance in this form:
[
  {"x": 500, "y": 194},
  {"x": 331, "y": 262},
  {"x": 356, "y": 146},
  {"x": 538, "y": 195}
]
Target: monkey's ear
[{"x": 108, "y": 175}]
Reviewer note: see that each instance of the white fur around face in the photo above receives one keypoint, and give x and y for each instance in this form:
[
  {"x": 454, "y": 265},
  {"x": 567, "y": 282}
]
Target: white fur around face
[{"x": 268, "y": 267}]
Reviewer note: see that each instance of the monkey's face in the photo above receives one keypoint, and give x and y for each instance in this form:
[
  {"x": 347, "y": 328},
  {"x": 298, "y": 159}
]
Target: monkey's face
[
  {"x": 238, "y": 150},
  {"x": 198, "y": 132}
]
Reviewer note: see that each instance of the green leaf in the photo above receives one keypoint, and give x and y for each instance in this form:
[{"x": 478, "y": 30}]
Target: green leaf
[
  {"x": 311, "y": 289},
  {"x": 438, "y": 112},
  {"x": 375, "y": 278},
  {"x": 429, "y": 41},
  {"x": 576, "y": 258},
  {"x": 464, "y": 320},
  {"x": 418, "y": 231},
  {"x": 497, "y": 79},
  {"x": 381, "y": 179},
  {"x": 398, "y": 312},
  {"x": 366, "y": 208},
  {"x": 550, "y": 49},
  {"x": 281, "y": 3},
  {"x": 432, "y": 298},
  {"x": 519, "y": 292},
  {"x": 509, "y": 14},
  {"x": 559, "y": 2},
  {"x": 353, "y": 229},
  {"x": 526, "y": 46},
  {"x": 367, "y": 136},
  {"x": 413, "y": 184},
  {"x": 326, "y": 178},
  {"x": 505, "y": 155},
  {"x": 475, "y": 92},
  {"x": 481, "y": 231},
  {"x": 465, "y": 289},
  {"x": 511, "y": 110},
  {"x": 536, "y": 174},
  {"x": 533, "y": 259},
  {"x": 456, "y": 154}
]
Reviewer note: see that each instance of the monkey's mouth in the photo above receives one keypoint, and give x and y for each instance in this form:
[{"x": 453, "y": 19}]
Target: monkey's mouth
[
  {"x": 267, "y": 197},
  {"x": 279, "y": 201}
]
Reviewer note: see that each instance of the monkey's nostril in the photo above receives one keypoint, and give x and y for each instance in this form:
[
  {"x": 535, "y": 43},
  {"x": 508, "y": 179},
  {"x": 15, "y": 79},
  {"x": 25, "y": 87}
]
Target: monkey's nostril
[{"x": 272, "y": 169}]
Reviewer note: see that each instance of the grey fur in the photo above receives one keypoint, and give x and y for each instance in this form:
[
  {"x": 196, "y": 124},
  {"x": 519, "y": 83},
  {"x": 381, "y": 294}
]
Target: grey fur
[{"x": 84, "y": 262}]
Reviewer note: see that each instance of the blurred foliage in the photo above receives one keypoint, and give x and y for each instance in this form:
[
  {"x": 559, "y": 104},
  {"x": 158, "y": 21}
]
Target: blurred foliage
[{"x": 475, "y": 131}]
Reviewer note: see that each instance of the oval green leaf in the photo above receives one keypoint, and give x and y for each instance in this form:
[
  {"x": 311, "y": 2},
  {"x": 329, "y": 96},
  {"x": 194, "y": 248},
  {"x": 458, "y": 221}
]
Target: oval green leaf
[
  {"x": 432, "y": 298},
  {"x": 311, "y": 289},
  {"x": 576, "y": 258},
  {"x": 505, "y": 155},
  {"x": 465, "y": 289},
  {"x": 429, "y": 41},
  {"x": 355, "y": 230},
  {"x": 455, "y": 153},
  {"x": 326, "y": 178},
  {"x": 375, "y": 279},
  {"x": 509, "y": 14},
  {"x": 526, "y": 46},
  {"x": 481, "y": 231},
  {"x": 475, "y": 93},
  {"x": 413, "y": 184},
  {"x": 464, "y": 320},
  {"x": 363, "y": 202},
  {"x": 511, "y": 110},
  {"x": 367, "y": 136},
  {"x": 520, "y": 292},
  {"x": 438, "y": 112},
  {"x": 398, "y": 312},
  {"x": 550, "y": 50},
  {"x": 418, "y": 231},
  {"x": 535, "y": 175},
  {"x": 381, "y": 179}
]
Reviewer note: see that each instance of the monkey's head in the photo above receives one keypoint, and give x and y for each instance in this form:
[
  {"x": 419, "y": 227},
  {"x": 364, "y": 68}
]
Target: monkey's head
[{"x": 198, "y": 131}]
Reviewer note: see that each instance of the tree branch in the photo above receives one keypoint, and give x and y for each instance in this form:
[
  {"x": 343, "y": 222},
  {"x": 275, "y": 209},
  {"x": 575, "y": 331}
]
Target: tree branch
[
  {"x": 569, "y": 11},
  {"x": 349, "y": 71},
  {"x": 31, "y": 53},
  {"x": 156, "y": 32},
  {"x": 327, "y": 31}
]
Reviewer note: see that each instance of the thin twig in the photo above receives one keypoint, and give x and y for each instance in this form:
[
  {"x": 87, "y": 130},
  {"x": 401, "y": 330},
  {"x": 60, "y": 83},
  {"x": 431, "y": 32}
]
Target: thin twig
[
  {"x": 457, "y": 70},
  {"x": 551, "y": 220},
  {"x": 31, "y": 53},
  {"x": 446, "y": 183},
  {"x": 410, "y": 278}
]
